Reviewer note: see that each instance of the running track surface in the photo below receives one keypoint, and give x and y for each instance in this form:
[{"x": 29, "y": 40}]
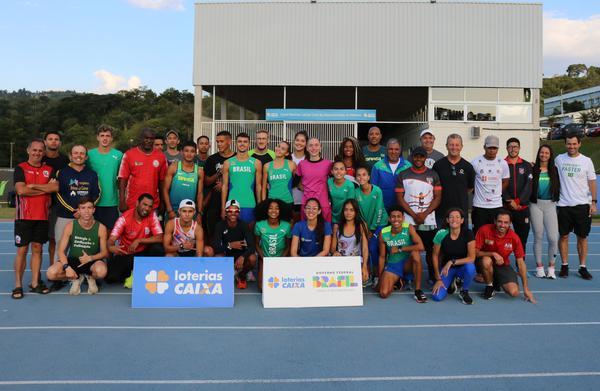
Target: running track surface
[{"x": 59, "y": 342}]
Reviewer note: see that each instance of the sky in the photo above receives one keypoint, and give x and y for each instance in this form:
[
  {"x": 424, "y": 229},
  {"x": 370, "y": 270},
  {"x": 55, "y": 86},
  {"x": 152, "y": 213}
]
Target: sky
[{"x": 103, "y": 46}]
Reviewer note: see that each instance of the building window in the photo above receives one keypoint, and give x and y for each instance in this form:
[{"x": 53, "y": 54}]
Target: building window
[
  {"x": 481, "y": 113},
  {"x": 514, "y": 95},
  {"x": 448, "y": 94},
  {"x": 449, "y": 113},
  {"x": 481, "y": 95},
  {"x": 514, "y": 113}
]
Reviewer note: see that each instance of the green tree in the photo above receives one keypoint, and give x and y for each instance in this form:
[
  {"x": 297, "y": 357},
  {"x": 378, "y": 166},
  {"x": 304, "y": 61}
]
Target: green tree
[{"x": 576, "y": 70}]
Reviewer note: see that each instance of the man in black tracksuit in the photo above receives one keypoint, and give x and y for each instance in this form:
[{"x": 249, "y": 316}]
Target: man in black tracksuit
[{"x": 516, "y": 196}]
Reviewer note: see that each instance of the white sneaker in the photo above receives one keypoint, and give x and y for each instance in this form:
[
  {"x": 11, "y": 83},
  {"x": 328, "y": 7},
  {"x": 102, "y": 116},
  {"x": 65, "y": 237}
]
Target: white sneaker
[
  {"x": 539, "y": 272},
  {"x": 551, "y": 275},
  {"x": 92, "y": 286},
  {"x": 76, "y": 286},
  {"x": 250, "y": 276}
]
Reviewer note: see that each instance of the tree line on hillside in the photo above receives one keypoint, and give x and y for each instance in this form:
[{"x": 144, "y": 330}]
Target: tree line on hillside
[
  {"x": 25, "y": 114},
  {"x": 577, "y": 77}
]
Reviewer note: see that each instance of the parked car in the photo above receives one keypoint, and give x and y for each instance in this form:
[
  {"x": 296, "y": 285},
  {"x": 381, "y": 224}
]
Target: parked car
[
  {"x": 544, "y": 132},
  {"x": 557, "y": 133},
  {"x": 594, "y": 131},
  {"x": 571, "y": 129}
]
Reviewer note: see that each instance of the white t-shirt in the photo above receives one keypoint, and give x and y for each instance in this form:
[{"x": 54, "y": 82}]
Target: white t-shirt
[
  {"x": 488, "y": 181},
  {"x": 296, "y": 193},
  {"x": 394, "y": 166},
  {"x": 574, "y": 174}
]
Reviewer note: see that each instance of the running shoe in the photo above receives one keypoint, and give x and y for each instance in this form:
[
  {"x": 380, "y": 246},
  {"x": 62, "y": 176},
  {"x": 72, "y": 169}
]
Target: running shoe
[
  {"x": 92, "y": 287},
  {"x": 408, "y": 285},
  {"x": 489, "y": 292},
  {"x": 250, "y": 276},
  {"x": 375, "y": 282},
  {"x": 583, "y": 272},
  {"x": 242, "y": 284},
  {"x": 539, "y": 272},
  {"x": 564, "y": 271},
  {"x": 551, "y": 274},
  {"x": 465, "y": 298},
  {"x": 368, "y": 282},
  {"x": 420, "y": 296},
  {"x": 452, "y": 287},
  {"x": 128, "y": 282},
  {"x": 57, "y": 285},
  {"x": 76, "y": 286}
]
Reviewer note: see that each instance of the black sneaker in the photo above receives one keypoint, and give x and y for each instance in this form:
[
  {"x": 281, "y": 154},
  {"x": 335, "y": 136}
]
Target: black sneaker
[
  {"x": 57, "y": 285},
  {"x": 452, "y": 287},
  {"x": 489, "y": 292},
  {"x": 583, "y": 272},
  {"x": 465, "y": 298},
  {"x": 420, "y": 296},
  {"x": 564, "y": 271}
]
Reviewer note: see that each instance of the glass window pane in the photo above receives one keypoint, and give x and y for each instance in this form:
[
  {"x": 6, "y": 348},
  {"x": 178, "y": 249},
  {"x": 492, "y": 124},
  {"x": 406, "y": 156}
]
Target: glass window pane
[
  {"x": 448, "y": 94},
  {"x": 482, "y": 95},
  {"x": 519, "y": 95},
  {"x": 449, "y": 113},
  {"x": 481, "y": 113},
  {"x": 515, "y": 113}
]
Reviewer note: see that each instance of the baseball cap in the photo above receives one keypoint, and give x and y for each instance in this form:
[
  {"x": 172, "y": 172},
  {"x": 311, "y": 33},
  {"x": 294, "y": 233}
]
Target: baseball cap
[
  {"x": 419, "y": 151},
  {"x": 232, "y": 203},
  {"x": 187, "y": 203},
  {"x": 492, "y": 141},
  {"x": 172, "y": 131},
  {"x": 425, "y": 131}
]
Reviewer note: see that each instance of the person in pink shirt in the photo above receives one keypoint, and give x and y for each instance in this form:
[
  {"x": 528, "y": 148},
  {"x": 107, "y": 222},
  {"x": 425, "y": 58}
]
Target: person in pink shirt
[{"x": 314, "y": 171}]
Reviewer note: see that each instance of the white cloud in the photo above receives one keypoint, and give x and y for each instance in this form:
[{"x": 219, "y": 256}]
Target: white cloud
[
  {"x": 570, "y": 41},
  {"x": 176, "y": 5},
  {"x": 109, "y": 82}
]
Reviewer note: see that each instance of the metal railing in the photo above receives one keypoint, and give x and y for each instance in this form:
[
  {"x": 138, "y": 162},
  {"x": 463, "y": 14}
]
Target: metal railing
[{"x": 329, "y": 133}]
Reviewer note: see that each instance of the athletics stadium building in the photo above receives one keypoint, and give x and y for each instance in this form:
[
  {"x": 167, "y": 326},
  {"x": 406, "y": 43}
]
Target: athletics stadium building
[{"x": 455, "y": 67}]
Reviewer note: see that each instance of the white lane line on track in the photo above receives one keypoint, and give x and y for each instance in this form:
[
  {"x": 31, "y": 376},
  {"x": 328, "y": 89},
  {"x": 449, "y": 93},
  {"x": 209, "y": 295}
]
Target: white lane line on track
[
  {"x": 494, "y": 376},
  {"x": 528, "y": 270},
  {"x": 315, "y": 327}
]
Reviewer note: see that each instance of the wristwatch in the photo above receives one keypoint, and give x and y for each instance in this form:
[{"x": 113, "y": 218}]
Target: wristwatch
[
  {"x": 453, "y": 262},
  {"x": 65, "y": 266}
]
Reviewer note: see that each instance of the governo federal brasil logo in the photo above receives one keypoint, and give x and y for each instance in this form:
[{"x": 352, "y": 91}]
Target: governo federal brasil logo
[{"x": 156, "y": 282}]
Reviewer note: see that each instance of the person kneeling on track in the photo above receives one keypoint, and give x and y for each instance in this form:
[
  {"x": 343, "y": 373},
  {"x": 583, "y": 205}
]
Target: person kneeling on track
[
  {"x": 454, "y": 250},
  {"x": 233, "y": 238},
  {"x": 184, "y": 236},
  {"x": 86, "y": 240},
  {"x": 494, "y": 243},
  {"x": 399, "y": 255},
  {"x": 136, "y": 233}
]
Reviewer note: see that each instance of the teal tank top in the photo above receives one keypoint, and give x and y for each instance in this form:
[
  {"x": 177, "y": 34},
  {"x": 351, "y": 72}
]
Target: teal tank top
[
  {"x": 242, "y": 177},
  {"x": 184, "y": 186},
  {"x": 280, "y": 182}
]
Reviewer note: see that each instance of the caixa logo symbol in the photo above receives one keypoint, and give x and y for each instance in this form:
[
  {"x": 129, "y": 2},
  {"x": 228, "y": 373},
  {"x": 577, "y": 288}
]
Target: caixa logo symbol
[
  {"x": 286, "y": 282},
  {"x": 340, "y": 281},
  {"x": 273, "y": 282},
  {"x": 156, "y": 282}
]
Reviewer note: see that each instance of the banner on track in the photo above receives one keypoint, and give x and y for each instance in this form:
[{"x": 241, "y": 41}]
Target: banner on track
[
  {"x": 312, "y": 282},
  {"x": 167, "y": 282}
]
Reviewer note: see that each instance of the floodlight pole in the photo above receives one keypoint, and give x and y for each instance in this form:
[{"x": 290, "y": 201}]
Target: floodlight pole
[{"x": 11, "y": 154}]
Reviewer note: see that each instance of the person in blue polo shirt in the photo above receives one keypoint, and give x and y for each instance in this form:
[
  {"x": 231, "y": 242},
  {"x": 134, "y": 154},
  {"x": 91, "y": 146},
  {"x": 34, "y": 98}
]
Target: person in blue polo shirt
[{"x": 385, "y": 171}]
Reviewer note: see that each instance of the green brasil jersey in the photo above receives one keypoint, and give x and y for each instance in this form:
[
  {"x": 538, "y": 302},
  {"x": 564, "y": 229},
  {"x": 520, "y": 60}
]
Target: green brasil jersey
[
  {"x": 242, "y": 177},
  {"x": 106, "y": 165},
  {"x": 372, "y": 207},
  {"x": 272, "y": 240},
  {"x": 280, "y": 182},
  {"x": 400, "y": 239},
  {"x": 338, "y": 195},
  {"x": 84, "y": 240}
]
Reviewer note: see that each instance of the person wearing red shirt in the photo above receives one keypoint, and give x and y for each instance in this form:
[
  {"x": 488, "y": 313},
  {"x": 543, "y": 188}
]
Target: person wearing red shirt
[
  {"x": 142, "y": 170},
  {"x": 31, "y": 221},
  {"x": 137, "y": 232},
  {"x": 494, "y": 244}
]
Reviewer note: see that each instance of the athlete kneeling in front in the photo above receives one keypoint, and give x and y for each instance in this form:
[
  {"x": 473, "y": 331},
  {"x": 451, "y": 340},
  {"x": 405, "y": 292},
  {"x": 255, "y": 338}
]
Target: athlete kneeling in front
[{"x": 184, "y": 236}]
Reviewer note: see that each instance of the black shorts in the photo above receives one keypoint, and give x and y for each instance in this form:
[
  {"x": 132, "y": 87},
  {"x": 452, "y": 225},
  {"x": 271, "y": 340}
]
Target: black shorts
[
  {"x": 107, "y": 215},
  {"x": 427, "y": 239},
  {"x": 574, "y": 218},
  {"x": 30, "y": 231},
  {"x": 190, "y": 253},
  {"x": 504, "y": 275},
  {"x": 482, "y": 216},
  {"x": 52, "y": 216},
  {"x": 82, "y": 269}
]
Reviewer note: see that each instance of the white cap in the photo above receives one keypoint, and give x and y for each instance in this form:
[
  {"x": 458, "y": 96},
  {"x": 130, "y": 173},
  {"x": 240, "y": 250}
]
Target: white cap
[
  {"x": 187, "y": 204},
  {"x": 232, "y": 203},
  {"x": 425, "y": 131}
]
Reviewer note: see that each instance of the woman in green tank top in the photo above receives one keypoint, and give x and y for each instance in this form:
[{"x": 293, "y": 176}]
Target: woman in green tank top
[{"x": 278, "y": 174}]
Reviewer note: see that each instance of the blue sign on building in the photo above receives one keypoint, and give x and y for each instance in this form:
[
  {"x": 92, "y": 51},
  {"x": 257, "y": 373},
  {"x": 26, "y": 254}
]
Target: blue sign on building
[
  {"x": 320, "y": 115},
  {"x": 166, "y": 282}
]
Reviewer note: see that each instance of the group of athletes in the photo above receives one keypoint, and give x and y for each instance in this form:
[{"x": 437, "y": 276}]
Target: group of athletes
[{"x": 100, "y": 208}]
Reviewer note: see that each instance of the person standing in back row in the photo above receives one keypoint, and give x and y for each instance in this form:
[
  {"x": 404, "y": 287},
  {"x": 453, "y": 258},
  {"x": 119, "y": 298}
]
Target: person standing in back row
[
  {"x": 427, "y": 141},
  {"x": 575, "y": 208},
  {"x": 373, "y": 151}
]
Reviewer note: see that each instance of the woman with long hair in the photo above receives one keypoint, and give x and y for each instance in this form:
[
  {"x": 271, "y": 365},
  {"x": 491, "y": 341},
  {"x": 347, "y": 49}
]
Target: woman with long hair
[
  {"x": 299, "y": 154},
  {"x": 351, "y": 236},
  {"x": 453, "y": 256},
  {"x": 277, "y": 176},
  {"x": 545, "y": 192},
  {"x": 351, "y": 154},
  {"x": 314, "y": 171},
  {"x": 311, "y": 237}
]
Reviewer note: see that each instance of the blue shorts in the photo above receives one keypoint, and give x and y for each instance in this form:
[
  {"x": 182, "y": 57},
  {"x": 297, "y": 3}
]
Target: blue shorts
[
  {"x": 397, "y": 268},
  {"x": 247, "y": 215}
]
